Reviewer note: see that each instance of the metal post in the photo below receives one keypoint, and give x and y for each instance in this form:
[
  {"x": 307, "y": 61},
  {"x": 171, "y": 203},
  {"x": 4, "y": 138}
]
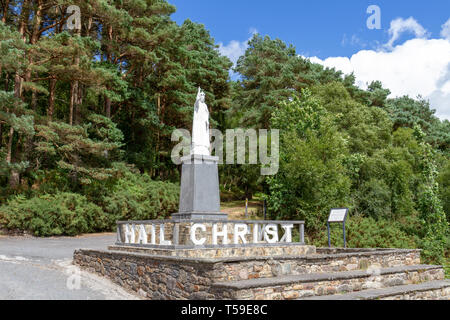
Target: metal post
[
  {"x": 302, "y": 233},
  {"x": 119, "y": 236},
  {"x": 265, "y": 210},
  {"x": 329, "y": 240},
  {"x": 176, "y": 234},
  {"x": 343, "y": 228},
  {"x": 246, "y": 207}
]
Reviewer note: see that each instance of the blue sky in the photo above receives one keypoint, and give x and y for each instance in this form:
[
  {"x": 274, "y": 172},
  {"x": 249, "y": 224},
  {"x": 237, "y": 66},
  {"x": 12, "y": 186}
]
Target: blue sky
[
  {"x": 314, "y": 27},
  {"x": 410, "y": 54}
]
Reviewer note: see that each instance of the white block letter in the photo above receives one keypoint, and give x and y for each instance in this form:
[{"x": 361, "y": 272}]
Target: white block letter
[
  {"x": 287, "y": 237},
  {"x": 153, "y": 235},
  {"x": 162, "y": 241},
  {"x": 192, "y": 233},
  {"x": 129, "y": 234},
  {"x": 271, "y": 229},
  {"x": 142, "y": 239},
  {"x": 240, "y": 230},
  {"x": 255, "y": 233},
  {"x": 223, "y": 234}
]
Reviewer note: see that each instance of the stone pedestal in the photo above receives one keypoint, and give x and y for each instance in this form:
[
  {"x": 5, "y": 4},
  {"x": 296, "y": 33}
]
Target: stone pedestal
[{"x": 199, "y": 192}]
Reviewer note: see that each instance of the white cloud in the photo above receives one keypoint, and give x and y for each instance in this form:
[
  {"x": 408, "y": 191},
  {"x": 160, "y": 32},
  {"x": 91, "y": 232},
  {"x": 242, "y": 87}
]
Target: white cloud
[
  {"x": 234, "y": 49},
  {"x": 446, "y": 88},
  {"x": 416, "y": 67},
  {"x": 339, "y": 63},
  {"x": 445, "y": 32},
  {"x": 400, "y": 25},
  {"x": 441, "y": 99}
]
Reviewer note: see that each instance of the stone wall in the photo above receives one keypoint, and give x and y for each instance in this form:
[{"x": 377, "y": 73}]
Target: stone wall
[
  {"x": 168, "y": 277},
  {"x": 152, "y": 277}
]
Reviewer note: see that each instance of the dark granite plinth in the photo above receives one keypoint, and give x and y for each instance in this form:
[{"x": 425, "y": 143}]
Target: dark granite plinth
[{"x": 199, "y": 191}]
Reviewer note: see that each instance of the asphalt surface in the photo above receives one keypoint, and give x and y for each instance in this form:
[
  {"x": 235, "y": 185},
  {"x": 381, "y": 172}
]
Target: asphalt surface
[{"x": 41, "y": 268}]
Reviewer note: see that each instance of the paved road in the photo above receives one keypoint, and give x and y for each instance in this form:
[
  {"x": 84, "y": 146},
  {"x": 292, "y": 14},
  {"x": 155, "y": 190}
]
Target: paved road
[{"x": 41, "y": 268}]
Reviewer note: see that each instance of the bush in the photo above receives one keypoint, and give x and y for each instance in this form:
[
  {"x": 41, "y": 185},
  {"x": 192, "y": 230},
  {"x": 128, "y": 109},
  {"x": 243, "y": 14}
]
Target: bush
[
  {"x": 368, "y": 233},
  {"x": 54, "y": 215},
  {"x": 133, "y": 197},
  {"x": 138, "y": 197}
]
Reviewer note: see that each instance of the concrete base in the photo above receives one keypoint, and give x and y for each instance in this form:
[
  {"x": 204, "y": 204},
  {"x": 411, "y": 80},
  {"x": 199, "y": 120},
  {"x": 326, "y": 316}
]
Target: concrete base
[
  {"x": 199, "y": 191},
  {"x": 195, "y": 216}
]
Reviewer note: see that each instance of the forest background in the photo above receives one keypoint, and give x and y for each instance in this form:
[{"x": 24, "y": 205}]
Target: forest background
[{"x": 86, "y": 118}]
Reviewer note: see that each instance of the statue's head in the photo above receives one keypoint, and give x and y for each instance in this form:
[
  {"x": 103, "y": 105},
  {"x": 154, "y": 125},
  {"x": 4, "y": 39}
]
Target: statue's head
[{"x": 201, "y": 95}]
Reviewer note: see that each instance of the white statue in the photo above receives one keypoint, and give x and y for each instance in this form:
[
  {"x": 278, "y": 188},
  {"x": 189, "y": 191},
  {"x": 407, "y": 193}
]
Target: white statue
[{"x": 200, "y": 127}]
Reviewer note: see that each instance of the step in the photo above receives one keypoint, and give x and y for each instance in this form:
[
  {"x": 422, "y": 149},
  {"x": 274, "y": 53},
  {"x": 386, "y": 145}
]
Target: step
[
  {"x": 432, "y": 290},
  {"x": 324, "y": 283},
  {"x": 243, "y": 268}
]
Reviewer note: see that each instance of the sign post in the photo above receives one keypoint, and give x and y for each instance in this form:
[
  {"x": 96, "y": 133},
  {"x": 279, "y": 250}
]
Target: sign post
[{"x": 337, "y": 216}]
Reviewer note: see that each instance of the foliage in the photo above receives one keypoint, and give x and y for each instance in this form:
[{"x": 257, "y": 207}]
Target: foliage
[
  {"x": 312, "y": 177},
  {"x": 444, "y": 187},
  {"x": 407, "y": 112},
  {"x": 137, "y": 197},
  {"x": 54, "y": 215},
  {"x": 436, "y": 227},
  {"x": 271, "y": 71},
  {"x": 364, "y": 232},
  {"x": 83, "y": 152}
]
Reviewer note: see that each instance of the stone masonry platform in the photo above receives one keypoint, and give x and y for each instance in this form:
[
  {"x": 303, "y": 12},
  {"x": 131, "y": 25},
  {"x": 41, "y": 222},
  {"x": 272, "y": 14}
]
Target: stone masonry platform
[{"x": 282, "y": 272}]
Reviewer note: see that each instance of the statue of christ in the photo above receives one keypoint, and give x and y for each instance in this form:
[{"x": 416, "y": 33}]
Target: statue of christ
[{"x": 200, "y": 127}]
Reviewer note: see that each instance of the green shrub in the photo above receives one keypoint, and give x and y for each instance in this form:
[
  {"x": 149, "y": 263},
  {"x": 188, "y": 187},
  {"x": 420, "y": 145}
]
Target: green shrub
[
  {"x": 138, "y": 197},
  {"x": 368, "y": 233},
  {"x": 54, "y": 215},
  {"x": 133, "y": 197}
]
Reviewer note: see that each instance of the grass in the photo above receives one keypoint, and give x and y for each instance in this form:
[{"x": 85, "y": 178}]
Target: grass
[
  {"x": 236, "y": 209},
  {"x": 233, "y": 204}
]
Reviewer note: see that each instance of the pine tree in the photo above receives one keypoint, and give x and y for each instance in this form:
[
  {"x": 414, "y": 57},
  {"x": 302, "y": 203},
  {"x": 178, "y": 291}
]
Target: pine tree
[{"x": 271, "y": 72}]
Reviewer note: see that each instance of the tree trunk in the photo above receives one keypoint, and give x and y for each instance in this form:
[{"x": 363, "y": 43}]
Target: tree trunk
[
  {"x": 37, "y": 23},
  {"x": 5, "y": 11},
  {"x": 74, "y": 92},
  {"x": 109, "y": 59},
  {"x": 10, "y": 142},
  {"x": 18, "y": 85},
  {"x": 7, "y": 82},
  {"x": 78, "y": 103},
  {"x": 108, "y": 107},
  {"x": 73, "y": 99},
  {"x": 34, "y": 38},
  {"x": 24, "y": 14},
  {"x": 22, "y": 26},
  {"x": 34, "y": 100},
  {"x": 14, "y": 179},
  {"x": 51, "y": 98}
]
